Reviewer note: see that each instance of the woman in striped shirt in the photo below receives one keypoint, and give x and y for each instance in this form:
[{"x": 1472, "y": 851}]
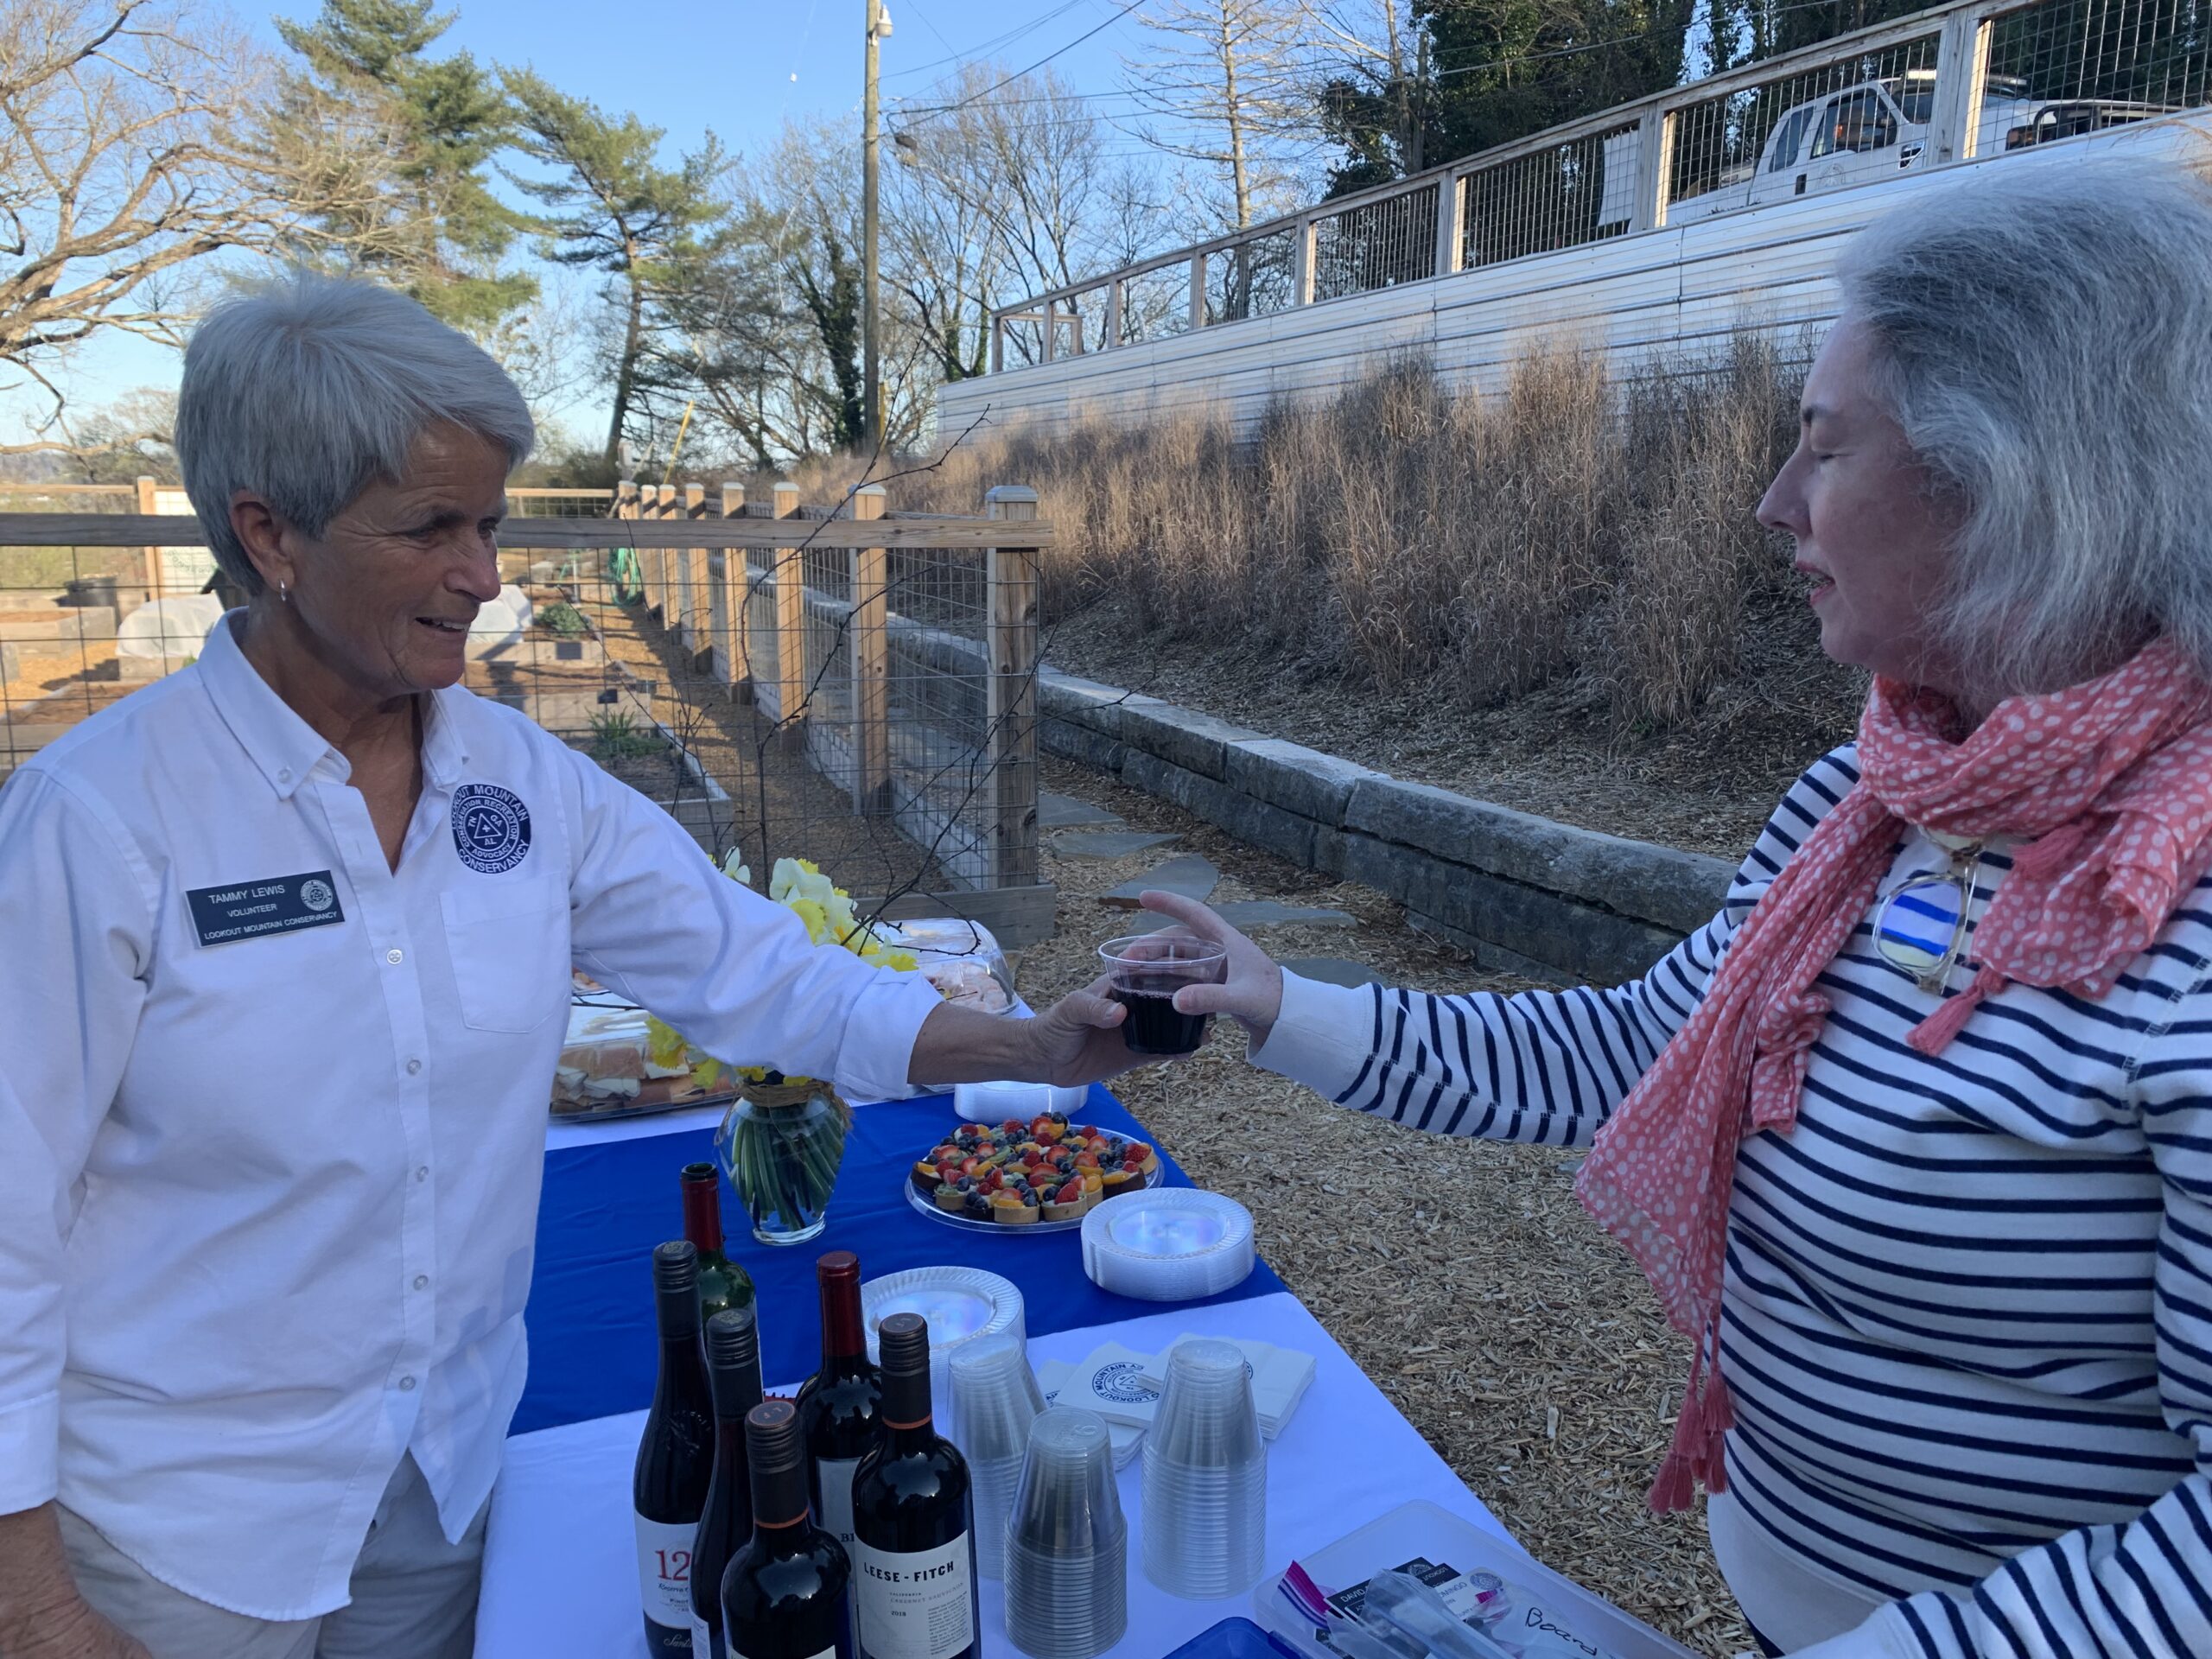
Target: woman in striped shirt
[{"x": 1915, "y": 1138}]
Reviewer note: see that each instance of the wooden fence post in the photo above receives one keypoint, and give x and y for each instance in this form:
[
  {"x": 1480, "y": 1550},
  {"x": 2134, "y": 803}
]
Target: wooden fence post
[
  {"x": 1655, "y": 138},
  {"x": 152, "y": 554},
  {"x": 627, "y": 506},
  {"x": 871, "y": 661},
  {"x": 1451, "y": 223},
  {"x": 1010, "y": 642},
  {"x": 665, "y": 581},
  {"x": 728, "y": 568},
  {"x": 651, "y": 564},
  {"x": 1197, "y": 292},
  {"x": 695, "y": 636},
  {"x": 790, "y": 624}
]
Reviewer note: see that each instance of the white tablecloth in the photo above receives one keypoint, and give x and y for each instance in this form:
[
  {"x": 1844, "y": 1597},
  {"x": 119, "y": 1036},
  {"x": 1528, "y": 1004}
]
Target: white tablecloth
[{"x": 560, "y": 1566}]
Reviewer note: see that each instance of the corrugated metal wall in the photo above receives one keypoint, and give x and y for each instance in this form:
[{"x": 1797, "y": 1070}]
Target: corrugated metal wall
[{"x": 1681, "y": 290}]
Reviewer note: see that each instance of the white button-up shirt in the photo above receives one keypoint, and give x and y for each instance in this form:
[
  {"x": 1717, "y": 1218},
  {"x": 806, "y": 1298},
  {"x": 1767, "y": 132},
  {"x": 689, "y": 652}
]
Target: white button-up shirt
[{"x": 272, "y": 1114}]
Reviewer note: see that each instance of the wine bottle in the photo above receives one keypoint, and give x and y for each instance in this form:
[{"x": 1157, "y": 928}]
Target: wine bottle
[
  {"x": 722, "y": 1284},
  {"x": 734, "y": 1374},
  {"x": 784, "y": 1594},
  {"x": 914, "y": 1520},
  {"x": 675, "y": 1458},
  {"x": 837, "y": 1406}
]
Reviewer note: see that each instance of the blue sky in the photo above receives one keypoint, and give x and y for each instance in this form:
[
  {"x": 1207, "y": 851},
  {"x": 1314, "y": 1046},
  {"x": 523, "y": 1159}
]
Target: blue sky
[{"x": 739, "y": 67}]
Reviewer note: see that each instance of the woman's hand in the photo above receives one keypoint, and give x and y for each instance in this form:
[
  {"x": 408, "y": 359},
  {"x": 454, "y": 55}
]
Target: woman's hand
[
  {"x": 1078, "y": 1039},
  {"x": 1252, "y": 991}
]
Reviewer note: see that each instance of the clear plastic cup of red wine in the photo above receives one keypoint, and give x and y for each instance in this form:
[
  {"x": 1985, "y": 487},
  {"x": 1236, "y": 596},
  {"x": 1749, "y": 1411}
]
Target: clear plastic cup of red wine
[{"x": 1145, "y": 971}]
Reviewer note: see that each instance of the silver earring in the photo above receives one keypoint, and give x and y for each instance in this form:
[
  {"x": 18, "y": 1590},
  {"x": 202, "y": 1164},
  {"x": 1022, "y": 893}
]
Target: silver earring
[{"x": 284, "y": 593}]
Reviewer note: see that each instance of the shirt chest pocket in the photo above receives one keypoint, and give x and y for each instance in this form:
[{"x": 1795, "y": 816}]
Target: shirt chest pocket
[{"x": 509, "y": 944}]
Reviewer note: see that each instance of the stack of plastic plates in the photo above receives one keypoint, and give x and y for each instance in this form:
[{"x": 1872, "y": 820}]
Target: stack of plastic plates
[
  {"x": 1171, "y": 1244},
  {"x": 959, "y": 1304},
  {"x": 995, "y": 1103}
]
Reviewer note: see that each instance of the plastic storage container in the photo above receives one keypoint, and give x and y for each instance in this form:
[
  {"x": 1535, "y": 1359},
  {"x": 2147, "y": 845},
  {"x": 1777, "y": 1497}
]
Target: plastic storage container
[{"x": 1422, "y": 1529}]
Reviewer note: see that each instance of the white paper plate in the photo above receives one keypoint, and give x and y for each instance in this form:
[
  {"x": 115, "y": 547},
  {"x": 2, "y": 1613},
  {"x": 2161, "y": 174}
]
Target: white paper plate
[
  {"x": 995, "y": 1103},
  {"x": 960, "y": 1304},
  {"x": 1171, "y": 1244}
]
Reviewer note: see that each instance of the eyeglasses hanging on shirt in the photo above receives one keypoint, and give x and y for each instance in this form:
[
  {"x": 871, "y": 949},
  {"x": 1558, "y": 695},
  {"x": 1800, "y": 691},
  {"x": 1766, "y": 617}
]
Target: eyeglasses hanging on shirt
[{"x": 1922, "y": 926}]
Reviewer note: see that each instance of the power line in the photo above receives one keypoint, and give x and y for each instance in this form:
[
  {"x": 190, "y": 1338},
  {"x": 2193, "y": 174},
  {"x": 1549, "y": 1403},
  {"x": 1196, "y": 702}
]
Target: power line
[
  {"x": 976, "y": 98},
  {"x": 1440, "y": 74},
  {"x": 992, "y": 45}
]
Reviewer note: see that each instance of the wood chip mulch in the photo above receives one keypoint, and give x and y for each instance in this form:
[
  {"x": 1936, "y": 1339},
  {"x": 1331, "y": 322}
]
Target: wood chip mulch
[{"x": 1514, "y": 1334}]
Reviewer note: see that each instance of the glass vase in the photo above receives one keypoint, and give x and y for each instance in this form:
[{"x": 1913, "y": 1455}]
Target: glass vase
[{"x": 782, "y": 1145}]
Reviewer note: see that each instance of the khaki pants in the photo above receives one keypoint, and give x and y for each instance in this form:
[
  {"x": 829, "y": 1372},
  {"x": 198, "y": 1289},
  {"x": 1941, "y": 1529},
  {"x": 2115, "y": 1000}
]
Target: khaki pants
[{"x": 414, "y": 1594}]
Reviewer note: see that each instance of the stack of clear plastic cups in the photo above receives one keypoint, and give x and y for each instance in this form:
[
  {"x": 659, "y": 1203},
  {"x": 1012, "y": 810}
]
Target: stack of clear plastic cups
[
  {"x": 1067, "y": 1592},
  {"x": 994, "y": 1399},
  {"x": 1205, "y": 1476}
]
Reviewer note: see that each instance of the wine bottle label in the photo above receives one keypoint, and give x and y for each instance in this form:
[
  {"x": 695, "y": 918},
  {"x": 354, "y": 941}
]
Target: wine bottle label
[
  {"x": 664, "y": 1571},
  {"x": 917, "y": 1605},
  {"x": 836, "y": 1516},
  {"x": 703, "y": 1639},
  {"x": 737, "y": 1653}
]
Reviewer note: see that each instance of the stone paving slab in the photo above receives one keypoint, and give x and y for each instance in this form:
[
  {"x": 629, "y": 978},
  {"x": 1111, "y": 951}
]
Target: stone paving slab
[
  {"x": 1249, "y": 914},
  {"x": 1102, "y": 847},
  {"x": 1190, "y": 875},
  {"x": 1065, "y": 812},
  {"x": 1332, "y": 970}
]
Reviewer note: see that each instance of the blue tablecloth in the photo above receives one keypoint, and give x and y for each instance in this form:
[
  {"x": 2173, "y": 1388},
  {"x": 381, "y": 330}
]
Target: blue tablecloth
[{"x": 591, "y": 1350}]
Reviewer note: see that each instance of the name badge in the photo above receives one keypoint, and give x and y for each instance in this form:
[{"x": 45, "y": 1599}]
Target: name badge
[{"x": 276, "y": 904}]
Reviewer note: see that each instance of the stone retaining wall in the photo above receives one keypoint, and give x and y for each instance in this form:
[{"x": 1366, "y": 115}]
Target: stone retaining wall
[{"x": 1523, "y": 894}]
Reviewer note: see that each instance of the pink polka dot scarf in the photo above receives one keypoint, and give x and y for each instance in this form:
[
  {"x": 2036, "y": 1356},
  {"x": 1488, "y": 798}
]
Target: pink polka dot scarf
[{"x": 2109, "y": 786}]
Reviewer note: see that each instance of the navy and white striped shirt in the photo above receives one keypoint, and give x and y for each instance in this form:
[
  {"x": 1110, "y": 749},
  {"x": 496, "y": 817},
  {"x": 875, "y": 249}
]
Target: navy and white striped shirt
[{"x": 1968, "y": 1308}]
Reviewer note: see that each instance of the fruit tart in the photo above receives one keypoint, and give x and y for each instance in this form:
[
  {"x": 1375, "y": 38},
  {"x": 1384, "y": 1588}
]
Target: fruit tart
[{"x": 1015, "y": 1173}]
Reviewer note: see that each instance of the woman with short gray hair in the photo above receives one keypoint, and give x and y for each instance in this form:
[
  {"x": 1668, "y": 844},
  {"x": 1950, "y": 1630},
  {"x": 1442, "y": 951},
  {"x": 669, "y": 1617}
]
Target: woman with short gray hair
[
  {"x": 273, "y": 1083},
  {"x": 1914, "y": 1140}
]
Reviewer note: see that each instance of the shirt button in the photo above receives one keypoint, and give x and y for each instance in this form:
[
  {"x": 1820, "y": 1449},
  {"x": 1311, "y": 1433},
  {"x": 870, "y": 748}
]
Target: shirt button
[
  {"x": 284, "y": 774},
  {"x": 407, "y": 1385},
  {"x": 421, "y": 1282},
  {"x": 413, "y": 1066},
  {"x": 395, "y": 957},
  {"x": 423, "y": 1174}
]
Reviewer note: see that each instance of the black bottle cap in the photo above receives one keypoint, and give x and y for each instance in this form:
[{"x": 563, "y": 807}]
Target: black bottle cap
[
  {"x": 676, "y": 1286},
  {"x": 734, "y": 1361},
  {"x": 903, "y": 1340},
  {"x": 775, "y": 1453}
]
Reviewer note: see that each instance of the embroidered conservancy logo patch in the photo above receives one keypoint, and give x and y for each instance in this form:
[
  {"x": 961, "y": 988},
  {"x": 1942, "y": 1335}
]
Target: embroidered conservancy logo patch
[{"x": 491, "y": 828}]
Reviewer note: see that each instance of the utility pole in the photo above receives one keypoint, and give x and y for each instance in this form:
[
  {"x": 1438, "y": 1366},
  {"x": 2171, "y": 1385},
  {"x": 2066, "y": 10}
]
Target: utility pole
[{"x": 870, "y": 320}]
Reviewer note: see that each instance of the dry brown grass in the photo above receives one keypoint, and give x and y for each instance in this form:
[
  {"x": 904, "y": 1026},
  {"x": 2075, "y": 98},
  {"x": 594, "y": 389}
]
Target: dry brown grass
[{"x": 1406, "y": 534}]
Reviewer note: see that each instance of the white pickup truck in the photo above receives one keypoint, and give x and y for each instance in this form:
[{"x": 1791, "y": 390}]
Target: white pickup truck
[{"x": 1880, "y": 128}]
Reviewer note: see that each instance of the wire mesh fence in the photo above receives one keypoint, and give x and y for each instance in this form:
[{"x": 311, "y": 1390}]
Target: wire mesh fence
[
  {"x": 1579, "y": 191},
  {"x": 2067, "y": 67},
  {"x": 1156, "y": 303},
  {"x": 1377, "y": 245},
  {"x": 871, "y": 709},
  {"x": 1252, "y": 278},
  {"x": 1854, "y": 117}
]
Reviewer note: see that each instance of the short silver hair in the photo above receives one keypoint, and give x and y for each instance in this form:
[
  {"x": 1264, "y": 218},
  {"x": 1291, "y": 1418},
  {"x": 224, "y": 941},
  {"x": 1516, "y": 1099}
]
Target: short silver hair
[
  {"x": 2042, "y": 331},
  {"x": 309, "y": 390}
]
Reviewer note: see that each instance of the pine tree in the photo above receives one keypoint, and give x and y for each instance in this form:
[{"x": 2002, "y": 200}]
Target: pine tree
[
  {"x": 614, "y": 208},
  {"x": 431, "y": 125}
]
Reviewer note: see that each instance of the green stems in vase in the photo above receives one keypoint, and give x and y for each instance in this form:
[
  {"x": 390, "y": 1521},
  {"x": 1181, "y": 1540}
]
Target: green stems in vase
[{"x": 782, "y": 1142}]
